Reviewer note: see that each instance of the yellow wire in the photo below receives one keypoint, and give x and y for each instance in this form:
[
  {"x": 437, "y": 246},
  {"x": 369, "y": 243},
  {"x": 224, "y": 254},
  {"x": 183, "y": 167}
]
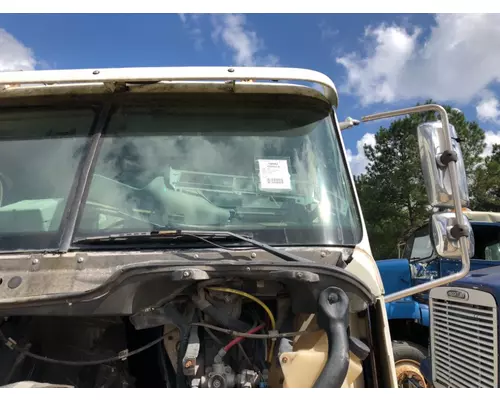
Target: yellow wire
[{"x": 260, "y": 303}]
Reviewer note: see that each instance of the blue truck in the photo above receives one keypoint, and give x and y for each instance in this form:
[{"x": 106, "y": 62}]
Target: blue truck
[
  {"x": 409, "y": 317},
  {"x": 464, "y": 317}
]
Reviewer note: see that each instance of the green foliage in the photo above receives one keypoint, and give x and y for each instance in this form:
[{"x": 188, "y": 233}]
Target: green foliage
[
  {"x": 392, "y": 191},
  {"x": 486, "y": 187}
]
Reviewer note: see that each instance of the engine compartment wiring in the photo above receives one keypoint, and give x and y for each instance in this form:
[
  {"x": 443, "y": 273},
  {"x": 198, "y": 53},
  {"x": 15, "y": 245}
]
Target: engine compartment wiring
[
  {"x": 272, "y": 320},
  {"x": 124, "y": 354}
]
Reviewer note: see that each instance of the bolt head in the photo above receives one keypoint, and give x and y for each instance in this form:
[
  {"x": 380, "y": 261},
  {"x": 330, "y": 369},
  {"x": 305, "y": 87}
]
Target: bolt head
[
  {"x": 333, "y": 298},
  {"x": 79, "y": 260},
  {"x": 216, "y": 383},
  {"x": 186, "y": 274},
  {"x": 35, "y": 261}
]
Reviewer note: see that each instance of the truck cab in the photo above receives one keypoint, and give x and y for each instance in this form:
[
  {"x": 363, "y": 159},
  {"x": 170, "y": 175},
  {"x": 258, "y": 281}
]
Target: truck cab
[
  {"x": 195, "y": 227},
  {"x": 409, "y": 317}
]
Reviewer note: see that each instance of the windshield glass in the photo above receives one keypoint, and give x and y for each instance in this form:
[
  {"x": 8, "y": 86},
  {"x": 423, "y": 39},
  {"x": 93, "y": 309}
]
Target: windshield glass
[
  {"x": 486, "y": 241},
  {"x": 40, "y": 151},
  {"x": 422, "y": 246},
  {"x": 268, "y": 167}
]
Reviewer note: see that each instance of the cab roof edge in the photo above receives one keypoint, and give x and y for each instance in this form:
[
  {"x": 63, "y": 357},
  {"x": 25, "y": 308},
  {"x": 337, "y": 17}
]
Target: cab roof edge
[{"x": 158, "y": 74}]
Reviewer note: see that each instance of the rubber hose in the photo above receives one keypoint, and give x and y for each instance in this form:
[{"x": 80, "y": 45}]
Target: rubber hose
[{"x": 333, "y": 317}]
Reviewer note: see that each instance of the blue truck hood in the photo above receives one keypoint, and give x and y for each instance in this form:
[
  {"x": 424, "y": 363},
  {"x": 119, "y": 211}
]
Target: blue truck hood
[{"x": 487, "y": 279}]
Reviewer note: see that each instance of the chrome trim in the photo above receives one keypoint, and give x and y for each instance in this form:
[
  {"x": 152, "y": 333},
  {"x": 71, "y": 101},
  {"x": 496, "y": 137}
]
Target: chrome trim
[
  {"x": 455, "y": 188},
  {"x": 464, "y": 338}
]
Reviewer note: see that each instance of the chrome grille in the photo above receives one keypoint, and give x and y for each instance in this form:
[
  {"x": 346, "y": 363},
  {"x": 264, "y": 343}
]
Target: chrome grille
[{"x": 464, "y": 338}]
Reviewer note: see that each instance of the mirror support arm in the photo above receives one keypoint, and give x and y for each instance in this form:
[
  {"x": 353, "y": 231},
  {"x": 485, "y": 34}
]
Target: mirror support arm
[{"x": 456, "y": 200}]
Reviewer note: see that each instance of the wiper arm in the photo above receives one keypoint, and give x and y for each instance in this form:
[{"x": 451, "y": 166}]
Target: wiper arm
[
  {"x": 200, "y": 235},
  {"x": 263, "y": 246}
]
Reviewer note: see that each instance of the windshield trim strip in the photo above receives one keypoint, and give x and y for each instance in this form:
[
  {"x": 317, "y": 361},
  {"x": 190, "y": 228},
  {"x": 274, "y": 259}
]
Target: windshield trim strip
[{"x": 75, "y": 203}]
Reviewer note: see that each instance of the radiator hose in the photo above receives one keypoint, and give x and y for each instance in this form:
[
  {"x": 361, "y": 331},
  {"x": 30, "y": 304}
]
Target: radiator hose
[{"x": 333, "y": 317}]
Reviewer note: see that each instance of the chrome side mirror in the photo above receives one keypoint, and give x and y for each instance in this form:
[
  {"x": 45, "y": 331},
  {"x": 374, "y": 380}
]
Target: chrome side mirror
[
  {"x": 434, "y": 158},
  {"x": 446, "y": 184},
  {"x": 446, "y": 233}
]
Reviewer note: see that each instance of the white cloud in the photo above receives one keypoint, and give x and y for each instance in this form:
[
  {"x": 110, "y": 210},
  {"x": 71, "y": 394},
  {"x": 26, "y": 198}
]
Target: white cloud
[
  {"x": 327, "y": 32},
  {"x": 358, "y": 161},
  {"x": 247, "y": 48},
  {"x": 488, "y": 109},
  {"x": 375, "y": 79},
  {"x": 454, "y": 62},
  {"x": 191, "y": 23},
  {"x": 245, "y": 44},
  {"x": 490, "y": 139},
  {"x": 14, "y": 56}
]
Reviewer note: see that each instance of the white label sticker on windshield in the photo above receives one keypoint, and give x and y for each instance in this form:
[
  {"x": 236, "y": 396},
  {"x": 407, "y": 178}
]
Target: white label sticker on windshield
[{"x": 274, "y": 175}]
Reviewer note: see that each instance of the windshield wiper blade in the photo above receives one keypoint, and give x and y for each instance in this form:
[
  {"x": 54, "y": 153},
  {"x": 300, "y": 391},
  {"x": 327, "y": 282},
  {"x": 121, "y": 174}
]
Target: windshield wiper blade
[{"x": 200, "y": 235}]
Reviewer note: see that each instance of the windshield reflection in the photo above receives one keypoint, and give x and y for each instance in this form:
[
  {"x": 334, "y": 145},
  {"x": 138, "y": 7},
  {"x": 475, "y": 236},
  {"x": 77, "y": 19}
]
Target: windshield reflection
[{"x": 273, "y": 171}]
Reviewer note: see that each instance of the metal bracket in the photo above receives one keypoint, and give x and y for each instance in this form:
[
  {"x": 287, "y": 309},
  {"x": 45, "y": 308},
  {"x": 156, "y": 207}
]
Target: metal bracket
[
  {"x": 459, "y": 230},
  {"x": 348, "y": 123},
  {"x": 446, "y": 157}
]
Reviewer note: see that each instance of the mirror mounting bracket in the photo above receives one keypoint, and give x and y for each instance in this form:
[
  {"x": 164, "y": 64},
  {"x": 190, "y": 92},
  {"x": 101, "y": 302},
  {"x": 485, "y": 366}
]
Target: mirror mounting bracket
[
  {"x": 459, "y": 230},
  {"x": 446, "y": 157}
]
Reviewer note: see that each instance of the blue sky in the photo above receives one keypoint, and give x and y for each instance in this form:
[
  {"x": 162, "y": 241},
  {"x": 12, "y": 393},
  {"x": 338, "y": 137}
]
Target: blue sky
[{"x": 377, "y": 61}]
